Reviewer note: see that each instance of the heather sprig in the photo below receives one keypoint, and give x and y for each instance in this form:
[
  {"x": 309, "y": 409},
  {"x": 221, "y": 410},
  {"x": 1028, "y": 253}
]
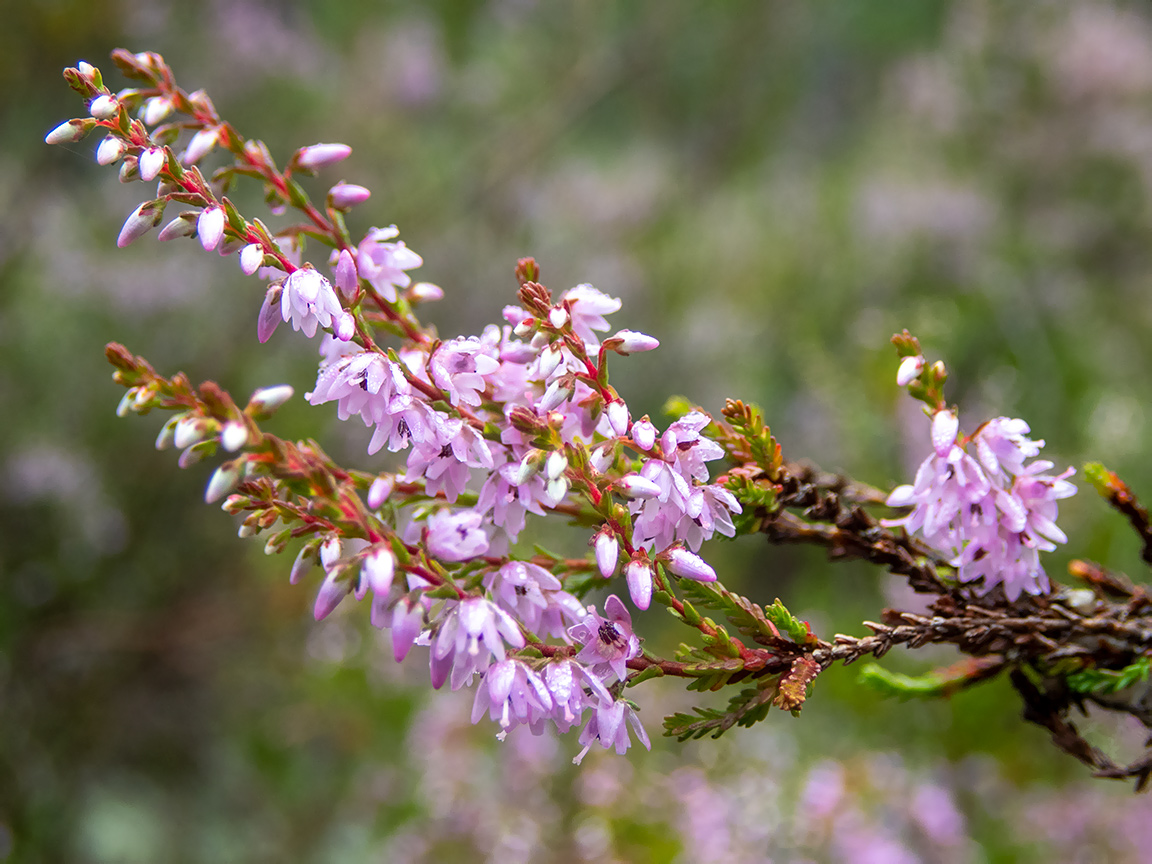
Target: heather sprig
[{"x": 521, "y": 420}]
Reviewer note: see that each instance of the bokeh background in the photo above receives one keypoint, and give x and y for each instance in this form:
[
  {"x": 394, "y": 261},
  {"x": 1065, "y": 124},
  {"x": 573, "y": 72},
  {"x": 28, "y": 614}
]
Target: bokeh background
[{"x": 773, "y": 189}]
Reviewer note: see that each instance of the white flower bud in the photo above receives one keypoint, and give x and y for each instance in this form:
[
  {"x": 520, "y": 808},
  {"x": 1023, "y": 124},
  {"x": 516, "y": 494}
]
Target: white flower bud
[
  {"x": 234, "y": 435},
  {"x": 558, "y": 316},
  {"x": 267, "y": 399},
  {"x": 104, "y": 107},
  {"x": 110, "y": 150},
  {"x": 210, "y": 227},
  {"x": 251, "y": 257}
]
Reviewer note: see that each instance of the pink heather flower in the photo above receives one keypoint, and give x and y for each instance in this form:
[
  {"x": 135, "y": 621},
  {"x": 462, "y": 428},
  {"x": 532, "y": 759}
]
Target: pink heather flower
[
  {"x": 609, "y": 725},
  {"x": 343, "y": 196},
  {"x": 151, "y": 163},
  {"x": 444, "y": 457},
  {"x": 534, "y": 597},
  {"x": 459, "y": 366},
  {"x": 638, "y": 486},
  {"x": 638, "y": 574},
  {"x": 509, "y": 500},
  {"x": 688, "y": 565},
  {"x": 383, "y": 264},
  {"x": 688, "y": 448},
  {"x": 210, "y": 227},
  {"x": 470, "y": 634},
  {"x": 425, "y": 292},
  {"x": 587, "y": 306},
  {"x": 993, "y": 516},
  {"x": 456, "y": 535},
  {"x": 512, "y": 694},
  {"x": 406, "y": 620},
  {"x": 308, "y": 301},
  {"x": 609, "y": 643},
  {"x": 320, "y": 155},
  {"x": 380, "y": 490},
  {"x": 573, "y": 689}
]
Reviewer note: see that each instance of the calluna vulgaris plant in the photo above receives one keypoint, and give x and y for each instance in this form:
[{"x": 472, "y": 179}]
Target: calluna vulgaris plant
[{"x": 522, "y": 419}]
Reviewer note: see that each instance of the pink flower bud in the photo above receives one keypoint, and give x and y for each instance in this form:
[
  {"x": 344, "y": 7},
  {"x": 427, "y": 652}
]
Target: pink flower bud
[
  {"x": 270, "y": 314},
  {"x": 425, "y": 292},
  {"x": 183, "y": 225},
  {"x": 607, "y": 551},
  {"x": 251, "y": 257},
  {"x": 346, "y": 279},
  {"x": 945, "y": 426},
  {"x": 267, "y": 399},
  {"x": 303, "y": 563},
  {"x": 151, "y": 163},
  {"x": 644, "y": 434},
  {"x": 331, "y": 592},
  {"x": 155, "y": 110},
  {"x": 104, "y": 107},
  {"x": 629, "y": 341},
  {"x": 380, "y": 489},
  {"x": 690, "y": 566},
  {"x": 223, "y": 480},
  {"x": 618, "y": 417},
  {"x": 142, "y": 220},
  {"x": 550, "y": 359},
  {"x": 910, "y": 369},
  {"x": 69, "y": 132},
  {"x": 201, "y": 145},
  {"x": 635, "y": 486},
  {"x": 210, "y": 227},
  {"x": 343, "y": 196},
  {"x": 638, "y": 574},
  {"x": 110, "y": 150},
  {"x": 345, "y": 326},
  {"x": 319, "y": 155},
  {"x": 234, "y": 435},
  {"x": 378, "y": 571}
]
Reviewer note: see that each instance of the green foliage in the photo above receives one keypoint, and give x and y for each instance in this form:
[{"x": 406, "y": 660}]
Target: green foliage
[
  {"x": 1105, "y": 681},
  {"x": 894, "y": 684},
  {"x": 746, "y": 708}
]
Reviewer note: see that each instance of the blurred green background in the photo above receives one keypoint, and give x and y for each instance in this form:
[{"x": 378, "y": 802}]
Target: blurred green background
[{"x": 773, "y": 189}]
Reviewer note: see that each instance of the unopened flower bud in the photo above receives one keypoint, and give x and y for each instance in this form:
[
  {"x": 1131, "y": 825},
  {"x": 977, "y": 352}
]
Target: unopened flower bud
[
  {"x": 345, "y": 275},
  {"x": 638, "y": 575},
  {"x": 223, "y": 480},
  {"x": 319, "y": 155},
  {"x": 303, "y": 563},
  {"x": 380, "y": 489},
  {"x": 270, "y": 313},
  {"x": 234, "y": 504},
  {"x": 550, "y": 359},
  {"x": 110, "y": 150},
  {"x": 345, "y": 326},
  {"x": 343, "y": 196},
  {"x": 210, "y": 227},
  {"x": 425, "y": 292},
  {"x": 129, "y": 171},
  {"x": 87, "y": 71},
  {"x": 627, "y": 342},
  {"x": 251, "y": 257},
  {"x": 142, "y": 220},
  {"x": 558, "y": 316},
  {"x": 183, "y": 225},
  {"x": 266, "y": 400},
  {"x": 690, "y": 566},
  {"x": 618, "y": 417},
  {"x": 127, "y": 403},
  {"x": 201, "y": 145},
  {"x": 69, "y": 132},
  {"x": 556, "y": 394},
  {"x": 555, "y": 490},
  {"x": 635, "y": 486},
  {"x": 151, "y": 163},
  {"x": 155, "y": 110},
  {"x": 196, "y": 453},
  {"x": 377, "y": 572},
  {"x": 909, "y": 371},
  {"x": 525, "y": 327},
  {"x": 275, "y": 544},
  {"x": 234, "y": 435},
  {"x": 644, "y": 434},
  {"x": 945, "y": 426},
  {"x": 189, "y": 430},
  {"x": 167, "y": 433},
  {"x": 607, "y": 552},
  {"x": 104, "y": 107},
  {"x": 555, "y": 465}
]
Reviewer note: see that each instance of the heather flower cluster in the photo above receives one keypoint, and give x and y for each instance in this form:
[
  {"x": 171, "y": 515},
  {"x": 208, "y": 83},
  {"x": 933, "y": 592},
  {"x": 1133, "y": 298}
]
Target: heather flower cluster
[
  {"x": 982, "y": 503},
  {"x": 517, "y": 420}
]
